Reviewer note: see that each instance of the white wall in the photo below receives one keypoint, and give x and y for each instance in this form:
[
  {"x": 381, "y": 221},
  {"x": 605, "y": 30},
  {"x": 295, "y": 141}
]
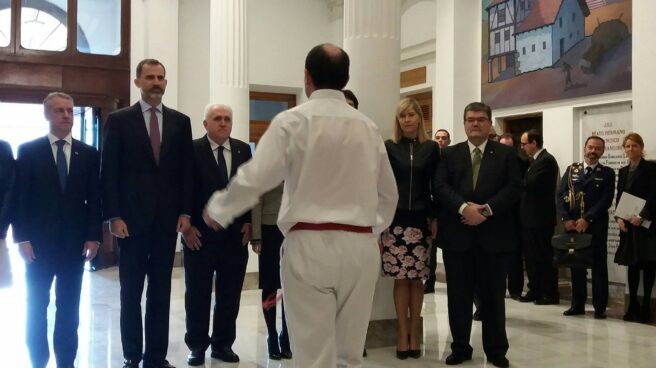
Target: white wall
[
  {"x": 193, "y": 59},
  {"x": 280, "y": 34},
  {"x": 413, "y": 13},
  {"x": 155, "y": 37}
]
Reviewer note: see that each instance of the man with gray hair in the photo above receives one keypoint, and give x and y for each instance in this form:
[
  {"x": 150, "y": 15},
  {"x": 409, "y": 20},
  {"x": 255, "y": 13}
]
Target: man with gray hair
[
  {"x": 57, "y": 226},
  {"x": 207, "y": 252}
]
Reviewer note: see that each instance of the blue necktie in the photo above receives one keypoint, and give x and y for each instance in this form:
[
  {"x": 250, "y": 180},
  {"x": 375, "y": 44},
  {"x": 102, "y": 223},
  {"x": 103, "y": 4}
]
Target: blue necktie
[{"x": 62, "y": 169}]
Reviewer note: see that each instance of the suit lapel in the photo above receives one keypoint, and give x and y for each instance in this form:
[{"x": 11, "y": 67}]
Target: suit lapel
[
  {"x": 140, "y": 132},
  {"x": 168, "y": 132},
  {"x": 235, "y": 160},
  {"x": 49, "y": 160},
  {"x": 487, "y": 163},
  {"x": 464, "y": 160},
  {"x": 74, "y": 165}
]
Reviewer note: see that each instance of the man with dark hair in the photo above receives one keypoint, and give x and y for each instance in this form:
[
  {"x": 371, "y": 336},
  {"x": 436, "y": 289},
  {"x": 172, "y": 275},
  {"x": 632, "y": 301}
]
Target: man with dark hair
[
  {"x": 477, "y": 187},
  {"x": 350, "y": 98},
  {"x": 538, "y": 219},
  {"x": 57, "y": 226},
  {"x": 443, "y": 138},
  {"x": 585, "y": 194},
  {"x": 331, "y": 213},
  {"x": 147, "y": 198}
]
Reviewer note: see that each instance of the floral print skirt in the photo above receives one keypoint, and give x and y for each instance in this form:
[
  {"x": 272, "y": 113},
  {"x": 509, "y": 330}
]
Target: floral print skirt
[{"x": 406, "y": 246}]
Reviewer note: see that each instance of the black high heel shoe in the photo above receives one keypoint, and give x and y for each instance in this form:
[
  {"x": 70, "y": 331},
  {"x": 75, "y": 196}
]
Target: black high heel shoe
[
  {"x": 402, "y": 355},
  {"x": 414, "y": 354},
  {"x": 274, "y": 350},
  {"x": 632, "y": 312},
  {"x": 645, "y": 313}
]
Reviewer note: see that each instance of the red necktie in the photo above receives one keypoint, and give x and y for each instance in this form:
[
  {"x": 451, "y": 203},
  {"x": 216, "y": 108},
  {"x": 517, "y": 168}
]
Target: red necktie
[{"x": 154, "y": 134}]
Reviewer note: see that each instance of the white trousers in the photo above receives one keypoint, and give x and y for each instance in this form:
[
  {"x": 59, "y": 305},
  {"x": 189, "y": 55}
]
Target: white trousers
[{"x": 328, "y": 280}]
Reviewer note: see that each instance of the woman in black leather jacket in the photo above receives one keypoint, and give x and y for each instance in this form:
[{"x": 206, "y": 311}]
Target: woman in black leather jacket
[{"x": 406, "y": 243}]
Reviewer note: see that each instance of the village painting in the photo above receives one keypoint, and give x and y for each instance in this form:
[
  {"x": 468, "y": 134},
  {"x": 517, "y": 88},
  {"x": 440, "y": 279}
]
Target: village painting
[{"x": 545, "y": 50}]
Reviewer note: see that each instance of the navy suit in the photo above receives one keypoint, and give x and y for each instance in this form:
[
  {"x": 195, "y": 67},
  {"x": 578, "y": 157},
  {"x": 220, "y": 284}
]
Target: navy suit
[
  {"x": 598, "y": 188},
  {"x": 57, "y": 223},
  {"x": 477, "y": 255},
  {"x": 222, "y": 253},
  {"x": 6, "y": 183},
  {"x": 149, "y": 197}
]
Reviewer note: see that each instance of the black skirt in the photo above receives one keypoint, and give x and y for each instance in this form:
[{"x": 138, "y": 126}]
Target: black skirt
[
  {"x": 406, "y": 246},
  {"x": 269, "y": 259},
  {"x": 637, "y": 247}
]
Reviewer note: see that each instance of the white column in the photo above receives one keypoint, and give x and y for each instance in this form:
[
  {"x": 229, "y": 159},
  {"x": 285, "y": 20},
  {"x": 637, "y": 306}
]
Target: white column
[
  {"x": 228, "y": 73},
  {"x": 457, "y": 63},
  {"x": 372, "y": 39},
  {"x": 644, "y": 88}
]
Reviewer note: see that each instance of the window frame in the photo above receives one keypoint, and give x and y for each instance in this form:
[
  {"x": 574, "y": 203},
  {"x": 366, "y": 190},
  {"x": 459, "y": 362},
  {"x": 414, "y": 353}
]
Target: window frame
[{"x": 15, "y": 52}]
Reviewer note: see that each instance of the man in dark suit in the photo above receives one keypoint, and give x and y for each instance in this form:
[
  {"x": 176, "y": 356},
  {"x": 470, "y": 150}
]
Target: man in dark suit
[
  {"x": 147, "y": 196},
  {"x": 585, "y": 194},
  {"x": 515, "y": 282},
  {"x": 57, "y": 226},
  {"x": 538, "y": 220},
  {"x": 216, "y": 159},
  {"x": 478, "y": 186},
  {"x": 6, "y": 183}
]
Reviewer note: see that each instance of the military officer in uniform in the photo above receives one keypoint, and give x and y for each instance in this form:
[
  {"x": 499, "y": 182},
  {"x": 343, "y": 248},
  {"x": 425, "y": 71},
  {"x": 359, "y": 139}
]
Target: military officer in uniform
[{"x": 585, "y": 194}]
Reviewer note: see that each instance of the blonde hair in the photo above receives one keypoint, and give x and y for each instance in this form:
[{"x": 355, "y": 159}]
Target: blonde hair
[{"x": 406, "y": 104}]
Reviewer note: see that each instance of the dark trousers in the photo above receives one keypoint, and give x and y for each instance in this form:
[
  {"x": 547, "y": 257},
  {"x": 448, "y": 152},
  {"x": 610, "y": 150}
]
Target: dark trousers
[
  {"x": 226, "y": 262},
  {"x": 599, "y": 278},
  {"x": 67, "y": 273},
  {"x": 146, "y": 255},
  {"x": 538, "y": 252},
  {"x": 432, "y": 264},
  {"x": 485, "y": 273},
  {"x": 516, "y": 272}
]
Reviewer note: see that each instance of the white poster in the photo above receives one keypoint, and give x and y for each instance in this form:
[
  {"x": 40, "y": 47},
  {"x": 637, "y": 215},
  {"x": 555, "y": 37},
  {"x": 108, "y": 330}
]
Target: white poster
[{"x": 610, "y": 122}]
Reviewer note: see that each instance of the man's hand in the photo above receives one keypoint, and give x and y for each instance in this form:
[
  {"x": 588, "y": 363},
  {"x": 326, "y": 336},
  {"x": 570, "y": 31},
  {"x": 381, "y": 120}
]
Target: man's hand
[
  {"x": 622, "y": 225},
  {"x": 570, "y": 225},
  {"x": 582, "y": 225},
  {"x": 192, "y": 238},
  {"x": 119, "y": 228},
  {"x": 183, "y": 224},
  {"x": 210, "y": 222},
  {"x": 27, "y": 252},
  {"x": 256, "y": 245},
  {"x": 635, "y": 220},
  {"x": 471, "y": 215},
  {"x": 90, "y": 250},
  {"x": 246, "y": 231}
]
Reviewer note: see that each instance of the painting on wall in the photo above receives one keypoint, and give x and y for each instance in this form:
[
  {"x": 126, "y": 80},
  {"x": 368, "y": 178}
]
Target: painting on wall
[{"x": 546, "y": 50}]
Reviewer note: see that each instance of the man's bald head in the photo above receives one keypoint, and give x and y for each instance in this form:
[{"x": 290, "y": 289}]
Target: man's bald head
[{"x": 328, "y": 67}]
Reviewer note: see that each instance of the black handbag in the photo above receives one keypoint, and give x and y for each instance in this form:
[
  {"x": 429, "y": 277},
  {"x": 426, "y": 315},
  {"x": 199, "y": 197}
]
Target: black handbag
[{"x": 572, "y": 250}]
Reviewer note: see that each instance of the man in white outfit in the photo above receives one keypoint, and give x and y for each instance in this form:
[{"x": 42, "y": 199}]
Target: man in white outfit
[{"x": 339, "y": 195}]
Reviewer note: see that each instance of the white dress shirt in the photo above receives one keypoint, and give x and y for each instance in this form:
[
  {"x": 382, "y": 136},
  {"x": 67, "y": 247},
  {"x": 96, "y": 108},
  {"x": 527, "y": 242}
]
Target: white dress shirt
[
  {"x": 67, "y": 148},
  {"x": 334, "y": 164},
  {"x": 227, "y": 152}
]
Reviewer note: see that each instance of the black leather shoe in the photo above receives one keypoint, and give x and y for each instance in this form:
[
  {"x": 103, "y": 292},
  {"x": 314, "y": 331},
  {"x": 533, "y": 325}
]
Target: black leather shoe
[
  {"x": 403, "y": 355},
  {"x": 600, "y": 315},
  {"x": 477, "y": 315},
  {"x": 515, "y": 296},
  {"x": 414, "y": 354},
  {"x": 574, "y": 311},
  {"x": 632, "y": 312},
  {"x": 130, "y": 363},
  {"x": 645, "y": 313},
  {"x": 226, "y": 354},
  {"x": 196, "y": 358},
  {"x": 455, "y": 359},
  {"x": 501, "y": 362},
  {"x": 547, "y": 301},
  {"x": 527, "y": 298}
]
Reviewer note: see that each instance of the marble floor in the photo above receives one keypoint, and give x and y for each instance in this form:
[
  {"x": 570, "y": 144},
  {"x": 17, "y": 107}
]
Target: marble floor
[{"x": 539, "y": 336}]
